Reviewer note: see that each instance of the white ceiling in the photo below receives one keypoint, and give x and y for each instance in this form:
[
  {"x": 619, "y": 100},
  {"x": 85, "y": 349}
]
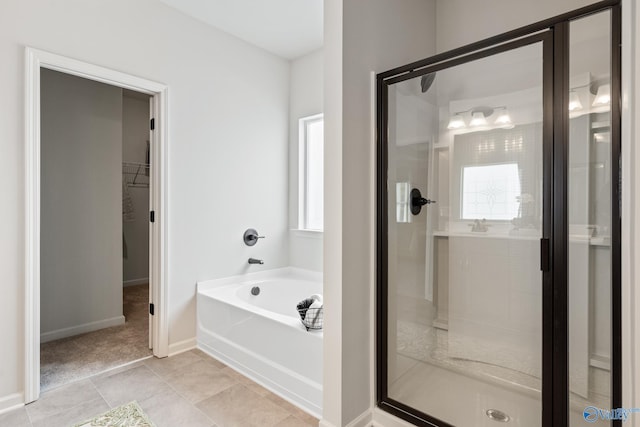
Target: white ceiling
[{"x": 287, "y": 28}]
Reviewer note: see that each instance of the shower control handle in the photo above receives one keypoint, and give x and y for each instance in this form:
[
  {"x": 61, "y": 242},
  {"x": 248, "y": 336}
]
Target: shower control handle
[
  {"x": 417, "y": 201},
  {"x": 422, "y": 201},
  {"x": 251, "y": 237}
]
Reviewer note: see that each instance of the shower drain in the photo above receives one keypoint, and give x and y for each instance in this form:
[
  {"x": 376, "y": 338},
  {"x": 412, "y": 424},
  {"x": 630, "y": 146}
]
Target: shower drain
[{"x": 497, "y": 415}]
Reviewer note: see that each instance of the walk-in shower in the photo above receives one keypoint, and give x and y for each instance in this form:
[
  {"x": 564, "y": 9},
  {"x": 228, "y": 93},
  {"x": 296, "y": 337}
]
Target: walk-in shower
[{"x": 498, "y": 257}]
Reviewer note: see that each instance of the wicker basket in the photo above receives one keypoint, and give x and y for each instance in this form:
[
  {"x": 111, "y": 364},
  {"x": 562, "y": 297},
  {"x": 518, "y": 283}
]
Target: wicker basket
[{"x": 312, "y": 318}]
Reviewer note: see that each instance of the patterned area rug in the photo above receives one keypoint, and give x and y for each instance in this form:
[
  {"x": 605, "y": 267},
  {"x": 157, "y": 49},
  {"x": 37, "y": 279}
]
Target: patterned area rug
[{"x": 129, "y": 415}]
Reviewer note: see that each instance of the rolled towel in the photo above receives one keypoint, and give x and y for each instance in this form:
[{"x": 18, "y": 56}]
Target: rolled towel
[
  {"x": 316, "y": 297},
  {"x": 316, "y": 304},
  {"x": 303, "y": 306}
]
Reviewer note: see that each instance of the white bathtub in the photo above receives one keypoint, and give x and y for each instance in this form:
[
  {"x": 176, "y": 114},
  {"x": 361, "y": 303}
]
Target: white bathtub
[{"x": 262, "y": 336}]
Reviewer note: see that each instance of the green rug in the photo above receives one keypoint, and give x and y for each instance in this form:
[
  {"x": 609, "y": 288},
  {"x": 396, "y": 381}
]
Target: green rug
[{"x": 129, "y": 415}]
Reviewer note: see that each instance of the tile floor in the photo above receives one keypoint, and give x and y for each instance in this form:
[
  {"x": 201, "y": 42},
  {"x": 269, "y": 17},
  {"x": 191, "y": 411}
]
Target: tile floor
[{"x": 190, "y": 389}]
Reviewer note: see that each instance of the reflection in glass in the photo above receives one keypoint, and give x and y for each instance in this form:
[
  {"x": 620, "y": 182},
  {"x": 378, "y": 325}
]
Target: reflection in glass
[
  {"x": 590, "y": 218},
  {"x": 464, "y": 281},
  {"x": 490, "y": 191},
  {"x": 402, "y": 203}
]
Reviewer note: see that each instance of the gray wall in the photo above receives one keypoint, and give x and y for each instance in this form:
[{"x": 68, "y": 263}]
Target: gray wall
[
  {"x": 305, "y": 99},
  {"x": 461, "y": 22},
  {"x": 395, "y": 32},
  {"x": 361, "y": 36},
  {"x": 135, "y": 134},
  {"x": 81, "y": 225},
  {"x": 220, "y": 118}
]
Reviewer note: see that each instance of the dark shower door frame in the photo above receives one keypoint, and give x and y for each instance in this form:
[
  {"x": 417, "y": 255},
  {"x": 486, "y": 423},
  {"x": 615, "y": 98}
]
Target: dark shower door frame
[{"x": 554, "y": 35}]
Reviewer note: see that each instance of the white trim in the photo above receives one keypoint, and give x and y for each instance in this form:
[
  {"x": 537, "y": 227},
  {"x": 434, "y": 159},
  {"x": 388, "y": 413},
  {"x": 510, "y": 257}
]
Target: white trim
[
  {"x": 362, "y": 420},
  {"x": 96, "y": 73},
  {"x": 35, "y": 60},
  {"x": 11, "y": 402},
  {"x": 32, "y": 228},
  {"x": 135, "y": 282},
  {"x": 81, "y": 329},
  {"x": 303, "y": 161},
  {"x": 182, "y": 346},
  {"x": 600, "y": 362},
  {"x": 159, "y": 230},
  {"x": 307, "y": 234}
]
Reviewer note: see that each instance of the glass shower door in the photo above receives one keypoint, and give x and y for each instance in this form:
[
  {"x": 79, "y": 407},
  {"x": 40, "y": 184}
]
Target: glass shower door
[
  {"x": 590, "y": 260},
  {"x": 465, "y": 181}
]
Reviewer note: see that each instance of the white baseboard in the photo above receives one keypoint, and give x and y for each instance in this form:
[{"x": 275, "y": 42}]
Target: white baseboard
[
  {"x": 362, "y": 420},
  {"x": 11, "y": 402},
  {"x": 81, "y": 329},
  {"x": 182, "y": 346},
  {"x": 135, "y": 282},
  {"x": 602, "y": 362}
]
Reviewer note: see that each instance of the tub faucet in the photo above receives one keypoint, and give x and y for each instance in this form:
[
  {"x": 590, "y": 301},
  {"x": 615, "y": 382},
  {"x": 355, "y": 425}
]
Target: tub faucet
[{"x": 255, "y": 261}]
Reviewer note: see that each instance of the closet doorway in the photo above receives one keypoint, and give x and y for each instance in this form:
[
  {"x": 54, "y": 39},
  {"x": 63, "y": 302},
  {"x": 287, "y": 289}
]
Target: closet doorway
[
  {"x": 95, "y": 247},
  {"x": 94, "y": 255}
]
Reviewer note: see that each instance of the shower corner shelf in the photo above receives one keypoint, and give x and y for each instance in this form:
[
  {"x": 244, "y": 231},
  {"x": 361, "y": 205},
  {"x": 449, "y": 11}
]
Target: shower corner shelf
[{"x": 601, "y": 124}]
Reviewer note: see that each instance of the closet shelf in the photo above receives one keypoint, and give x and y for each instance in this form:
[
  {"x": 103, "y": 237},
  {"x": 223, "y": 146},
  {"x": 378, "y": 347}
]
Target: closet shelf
[{"x": 136, "y": 174}]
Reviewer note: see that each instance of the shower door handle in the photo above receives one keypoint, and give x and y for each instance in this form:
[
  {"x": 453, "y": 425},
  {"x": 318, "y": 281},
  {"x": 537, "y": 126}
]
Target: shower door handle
[
  {"x": 417, "y": 201},
  {"x": 545, "y": 254}
]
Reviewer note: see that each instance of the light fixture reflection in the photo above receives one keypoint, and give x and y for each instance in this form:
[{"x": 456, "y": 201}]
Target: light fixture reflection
[
  {"x": 456, "y": 122},
  {"x": 603, "y": 96},
  {"x": 574, "y": 101},
  {"x": 504, "y": 119},
  {"x": 478, "y": 119}
]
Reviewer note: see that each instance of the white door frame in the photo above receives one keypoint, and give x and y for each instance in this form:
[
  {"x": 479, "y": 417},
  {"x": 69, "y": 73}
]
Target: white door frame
[{"x": 35, "y": 60}]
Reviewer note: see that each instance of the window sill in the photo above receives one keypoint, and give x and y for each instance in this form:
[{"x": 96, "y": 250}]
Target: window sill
[{"x": 309, "y": 234}]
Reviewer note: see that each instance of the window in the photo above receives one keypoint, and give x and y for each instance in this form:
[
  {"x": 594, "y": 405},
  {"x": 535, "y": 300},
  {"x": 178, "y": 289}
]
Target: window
[
  {"x": 311, "y": 185},
  {"x": 402, "y": 202},
  {"x": 490, "y": 192}
]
